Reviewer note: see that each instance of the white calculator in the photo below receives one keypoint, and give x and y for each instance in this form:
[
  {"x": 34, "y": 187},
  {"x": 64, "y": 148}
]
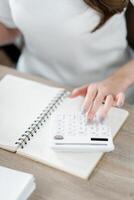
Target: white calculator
[{"x": 71, "y": 132}]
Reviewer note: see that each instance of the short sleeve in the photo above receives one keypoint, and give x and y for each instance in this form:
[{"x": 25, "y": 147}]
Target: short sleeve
[
  {"x": 5, "y": 14},
  {"x": 132, "y": 1}
]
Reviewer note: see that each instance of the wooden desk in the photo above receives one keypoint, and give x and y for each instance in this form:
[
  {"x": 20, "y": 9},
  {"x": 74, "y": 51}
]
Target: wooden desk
[{"x": 113, "y": 178}]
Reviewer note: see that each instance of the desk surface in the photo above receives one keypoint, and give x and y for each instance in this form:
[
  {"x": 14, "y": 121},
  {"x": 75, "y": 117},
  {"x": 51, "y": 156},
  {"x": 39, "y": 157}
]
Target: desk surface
[{"x": 112, "y": 179}]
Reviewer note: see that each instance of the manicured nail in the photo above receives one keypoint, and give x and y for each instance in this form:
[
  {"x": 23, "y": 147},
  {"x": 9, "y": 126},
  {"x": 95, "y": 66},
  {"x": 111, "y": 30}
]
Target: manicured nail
[
  {"x": 83, "y": 111},
  {"x": 97, "y": 118},
  {"x": 90, "y": 116},
  {"x": 88, "y": 121},
  {"x": 101, "y": 119},
  {"x": 120, "y": 105},
  {"x": 70, "y": 95}
]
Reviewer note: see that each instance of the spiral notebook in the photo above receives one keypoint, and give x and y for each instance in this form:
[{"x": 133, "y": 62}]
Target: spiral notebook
[{"x": 27, "y": 109}]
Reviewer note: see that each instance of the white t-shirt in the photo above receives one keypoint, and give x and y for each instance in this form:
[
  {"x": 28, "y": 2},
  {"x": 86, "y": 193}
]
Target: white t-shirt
[{"x": 59, "y": 44}]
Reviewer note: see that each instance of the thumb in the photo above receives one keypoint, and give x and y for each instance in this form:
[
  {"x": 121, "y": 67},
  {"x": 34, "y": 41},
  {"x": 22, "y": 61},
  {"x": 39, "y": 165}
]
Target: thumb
[{"x": 81, "y": 91}]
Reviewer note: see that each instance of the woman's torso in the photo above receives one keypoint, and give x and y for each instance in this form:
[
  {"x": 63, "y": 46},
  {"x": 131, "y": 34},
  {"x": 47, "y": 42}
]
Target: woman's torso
[{"x": 59, "y": 44}]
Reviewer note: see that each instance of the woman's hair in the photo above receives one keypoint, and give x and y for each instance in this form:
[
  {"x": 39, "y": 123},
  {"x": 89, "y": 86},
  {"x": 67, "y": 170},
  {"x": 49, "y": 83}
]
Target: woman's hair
[{"x": 107, "y": 8}]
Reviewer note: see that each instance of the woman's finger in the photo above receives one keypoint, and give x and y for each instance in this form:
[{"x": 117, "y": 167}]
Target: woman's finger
[
  {"x": 120, "y": 99},
  {"x": 96, "y": 105},
  {"x": 90, "y": 96},
  {"x": 81, "y": 91},
  {"x": 106, "y": 107}
]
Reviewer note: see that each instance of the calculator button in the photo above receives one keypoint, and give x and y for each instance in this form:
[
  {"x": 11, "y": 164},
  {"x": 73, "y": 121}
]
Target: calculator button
[{"x": 58, "y": 137}]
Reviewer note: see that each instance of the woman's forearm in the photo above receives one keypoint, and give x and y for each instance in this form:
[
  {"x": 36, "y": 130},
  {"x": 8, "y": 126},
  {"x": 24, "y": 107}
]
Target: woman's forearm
[
  {"x": 125, "y": 73},
  {"x": 7, "y": 35}
]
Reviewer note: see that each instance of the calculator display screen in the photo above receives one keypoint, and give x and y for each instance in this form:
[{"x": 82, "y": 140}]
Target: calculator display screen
[{"x": 99, "y": 139}]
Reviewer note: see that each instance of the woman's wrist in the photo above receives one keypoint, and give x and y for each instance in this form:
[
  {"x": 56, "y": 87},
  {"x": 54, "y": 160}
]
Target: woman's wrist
[{"x": 125, "y": 75}]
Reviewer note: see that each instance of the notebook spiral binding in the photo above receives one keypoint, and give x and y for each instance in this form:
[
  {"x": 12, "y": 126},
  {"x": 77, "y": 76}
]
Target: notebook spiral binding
[{"x": 41, "y": 119}]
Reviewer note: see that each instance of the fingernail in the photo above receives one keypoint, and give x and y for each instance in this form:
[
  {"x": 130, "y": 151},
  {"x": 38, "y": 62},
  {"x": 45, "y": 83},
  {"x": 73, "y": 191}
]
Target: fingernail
[
  {"x": 120, "y": 105},
  {"x": 88, "y": 121},
  {"x": 72, "y": 92},
  {"x": 90, "y": 116},
  {"x": 71, "y": 95},
  {"x": 83, "y": 110},
  {"x": 101, "y": 119}
]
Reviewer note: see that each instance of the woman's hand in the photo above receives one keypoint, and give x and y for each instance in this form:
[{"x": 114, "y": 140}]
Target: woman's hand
[{"x": 110, "y": 91}]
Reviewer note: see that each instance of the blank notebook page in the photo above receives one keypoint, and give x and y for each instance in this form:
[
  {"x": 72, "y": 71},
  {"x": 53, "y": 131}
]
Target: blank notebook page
[
  {"x": 78, "y": 164},
  {"x": 21, "y": 101}
]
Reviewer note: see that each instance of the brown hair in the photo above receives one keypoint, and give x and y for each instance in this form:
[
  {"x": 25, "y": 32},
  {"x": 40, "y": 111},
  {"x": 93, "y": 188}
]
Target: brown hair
[{"x": 107, "y": 8}]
